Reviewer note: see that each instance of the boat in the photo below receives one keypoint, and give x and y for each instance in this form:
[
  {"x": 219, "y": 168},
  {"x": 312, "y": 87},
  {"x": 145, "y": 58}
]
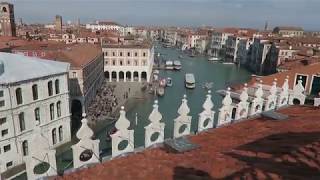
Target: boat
[
  {"x": 213, "y": 59},
  {"x": 190, "y": 81},
  {"x": 169, "y": 82},
  {"x": 180, "y": 56},
  {"x": 158, "y": 54},
  {"x": 162, "y": 83},
  {"x": 177, "y": 65},
  {"x": 169, "y": 65},
  {"x": 228, "y": 63},
  {"x": 160, "y": 91}
]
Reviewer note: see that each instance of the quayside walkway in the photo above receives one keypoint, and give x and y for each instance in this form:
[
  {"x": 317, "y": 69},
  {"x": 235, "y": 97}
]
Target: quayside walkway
[{"x": 259, "y": 148}]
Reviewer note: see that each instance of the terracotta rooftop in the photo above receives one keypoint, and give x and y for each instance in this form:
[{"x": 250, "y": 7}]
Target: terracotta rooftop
[
  {"x": 252, "y": 149},
  {"x": 77, "y": 55}
]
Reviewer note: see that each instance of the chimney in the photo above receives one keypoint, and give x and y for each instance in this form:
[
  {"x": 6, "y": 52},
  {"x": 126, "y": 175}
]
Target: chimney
[{"x": 1, "y": 68}]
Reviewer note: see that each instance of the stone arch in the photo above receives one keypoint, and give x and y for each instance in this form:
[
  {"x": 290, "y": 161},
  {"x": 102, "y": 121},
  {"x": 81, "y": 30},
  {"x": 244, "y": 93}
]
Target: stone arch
[
  {"x": 76, "y": 114},
  {"x": 135, "y": 76},
  {"x": 296, "y": 101},
  {"x": 128, "y": 76},
  {"x": 107, "y": 75},
  {"x": 144, "y": 76},
  {"x": 121, "y": 76},
  {"x": 114, "y": 76}
]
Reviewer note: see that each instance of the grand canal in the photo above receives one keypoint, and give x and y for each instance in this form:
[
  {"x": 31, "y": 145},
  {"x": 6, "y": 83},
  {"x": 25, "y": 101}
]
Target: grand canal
[{"x": 221, "y": 75}]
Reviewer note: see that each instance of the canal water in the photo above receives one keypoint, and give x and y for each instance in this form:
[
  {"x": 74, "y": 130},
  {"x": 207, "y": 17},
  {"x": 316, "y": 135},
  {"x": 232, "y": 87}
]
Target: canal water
[{"x": 222, "y": 75}]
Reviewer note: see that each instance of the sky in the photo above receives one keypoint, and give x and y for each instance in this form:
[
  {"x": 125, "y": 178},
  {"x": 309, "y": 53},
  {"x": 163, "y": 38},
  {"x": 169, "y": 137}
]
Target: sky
[{"x": 218, "y": 13}]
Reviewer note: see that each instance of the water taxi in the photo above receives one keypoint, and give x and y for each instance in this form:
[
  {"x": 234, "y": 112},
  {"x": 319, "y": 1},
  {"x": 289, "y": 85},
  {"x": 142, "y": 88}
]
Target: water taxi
[
  {"x": 190, "y": 81},
  {"x": 169, "y": 82},
  {"x": 160, "y": 91},
  {"x": 177, "y": 65},
  {"x": 169, "y": 65},
  {"x": 213, "y": 59}
]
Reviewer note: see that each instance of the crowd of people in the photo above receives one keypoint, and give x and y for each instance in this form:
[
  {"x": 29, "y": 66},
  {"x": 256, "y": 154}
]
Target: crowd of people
[{"x": 104, "y": 103}]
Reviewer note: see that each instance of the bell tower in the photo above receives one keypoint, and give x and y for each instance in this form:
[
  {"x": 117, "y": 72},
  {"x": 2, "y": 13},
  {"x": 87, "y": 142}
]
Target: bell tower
[{"x": 7, "y": 22}]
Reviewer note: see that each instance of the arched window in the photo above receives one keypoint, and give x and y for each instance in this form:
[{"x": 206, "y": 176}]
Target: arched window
[
  {"x": 54, "y": 136},
  {"x": 50, "y": 90},
  {"x": 52, "y": 111},
  {"x": 37, "y": 114},
  {"x": 60, "y": 133},
  {"x": 57, "y": 86},
  {"x": 35, "y": 92},
  {"x": 21, "y": 122},
  {"x": 59, "y": 108},
  {"x": 25, "y": 150},
  {"x": 19, "y": 96}
]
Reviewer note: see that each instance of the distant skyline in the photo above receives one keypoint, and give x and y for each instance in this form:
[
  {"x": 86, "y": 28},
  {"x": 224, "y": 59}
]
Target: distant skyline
[{"x": 218, "y": 13}]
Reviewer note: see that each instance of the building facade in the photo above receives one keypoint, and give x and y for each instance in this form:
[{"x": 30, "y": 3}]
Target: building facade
[
  {"x": 38, "y": 98},
  {"x": 289, "y": 31},
  {"x": 128, "y": 62},
  {"x": 7, "y": 22}
]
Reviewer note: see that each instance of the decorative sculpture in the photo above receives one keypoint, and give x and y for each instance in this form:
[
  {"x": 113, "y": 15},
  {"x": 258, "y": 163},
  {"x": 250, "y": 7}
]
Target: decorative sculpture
[
  {"x": 182, "y": 124},
  {"x": 272, "y": 98},
  {"x": 86, "y": 151},
  {"x": 297, "y": 94},
  {"x": 123, "y": 138},
  {"x": 154, "y": 132},
  {"x": 206, "y": 117},
  {"x": 257, "y": 103},
  {"x": 225, "y": 112},
  {"x": 284, "y": 94},
  {"x": 243, "y": 105},
  {"x": 41, "y": 161}
]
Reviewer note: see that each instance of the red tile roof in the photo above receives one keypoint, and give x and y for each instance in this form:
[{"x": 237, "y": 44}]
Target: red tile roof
[{"x": 252, "y": 149}]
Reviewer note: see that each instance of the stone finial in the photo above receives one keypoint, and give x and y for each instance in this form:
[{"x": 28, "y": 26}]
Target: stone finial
[
  {"x": 155, "y": 115},
  {"x": 227, "y": 100},
  {"x": 122, "y": 122},
  {"x": 273, "y": 89},
  {"x": 208, "y": 104},
  {"x": 244, "y": 94},
  {"x": 184, "y": 109},
  {"x": 285, "y": 85},
  {"x": 298, "y": 88},
  {"x": 85, "y": 131}
]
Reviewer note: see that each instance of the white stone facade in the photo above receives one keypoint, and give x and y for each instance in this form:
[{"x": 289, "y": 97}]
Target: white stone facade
[
  {"x": 26, "y": 103},
  {"x": 128, "y": 63}
]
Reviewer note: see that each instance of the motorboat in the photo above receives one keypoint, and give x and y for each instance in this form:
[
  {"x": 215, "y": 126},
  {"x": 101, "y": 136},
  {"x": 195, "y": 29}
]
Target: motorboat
[
  {"x": 162, "y": 83},
  {"x": 190, "y": 81},
  {"x": 169, "y": 65},
  {"x": 177, "y": 65},
  {"x": 160, "y": 91},
  {"x": 169, "y": 82},
  {"x": 214, "y": 59}
]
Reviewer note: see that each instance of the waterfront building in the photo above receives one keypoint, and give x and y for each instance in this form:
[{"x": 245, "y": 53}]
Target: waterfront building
[
  {"x": 86, "y": 71},
  {"x": 129, "y": 61},
  {"x": 288, "y": 31},
  {"x": 218, "y": 42},
  {"x": 262, "y": 57},
  {"x": 33, "y": 92},
  {"x": 58, "y": 23},
  {"x": 105, "y": 26},
  {"x": 7, "y": 21}
]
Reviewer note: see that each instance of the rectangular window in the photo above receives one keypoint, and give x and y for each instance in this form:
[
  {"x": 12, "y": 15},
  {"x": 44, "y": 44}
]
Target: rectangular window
[
  {"x": 51, "y": 111},
  {"x": 4, "y": 132},
  {"x": 128, "y": 54},
  {"x": 37, "y": 114},
  {"x": 120, "y": 53},
  {"x": 3, "y": 120},
  {"x": 144, "y": 54},
  {"x": 21, "y": 122},
  {"x": 2, "y": 103},
  {"x": 1, "y": 93},
  {"x": 35, "y": 92},
  {"x": 135, "y": 54},
  {"x": 113, "y": 54},
  {"x": 9, "y": 164},
  {"x": 74, "y": 75},
  {"x": 6, "y": 148}
]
